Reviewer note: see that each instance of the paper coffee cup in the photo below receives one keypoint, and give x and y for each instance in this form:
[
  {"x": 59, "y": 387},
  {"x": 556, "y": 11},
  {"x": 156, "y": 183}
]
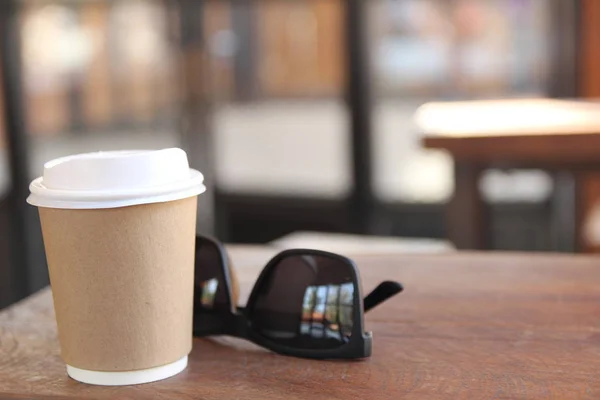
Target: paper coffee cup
[{"x": 119, "y": 233}]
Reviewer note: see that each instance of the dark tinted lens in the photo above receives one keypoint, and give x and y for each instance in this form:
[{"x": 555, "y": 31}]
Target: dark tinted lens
[
  {"x": 306, "y": 302},
  {"x": 211, "y": 298}
]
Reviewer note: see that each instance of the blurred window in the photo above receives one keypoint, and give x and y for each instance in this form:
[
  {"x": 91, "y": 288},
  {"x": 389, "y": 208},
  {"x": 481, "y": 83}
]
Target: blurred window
[
  {"x": 103, "y": 75},
  {"x": 290, "y": 135},
  {"x": 424, "y": 50},
  {"x": 284, "y": 130},
  {"x": 98, "y": 76}
]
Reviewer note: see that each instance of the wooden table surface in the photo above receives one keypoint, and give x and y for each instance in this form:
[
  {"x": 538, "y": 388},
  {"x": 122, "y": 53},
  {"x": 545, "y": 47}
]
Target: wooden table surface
[
  {"x": 523, "y": 131},
  {"x": 469, "y": 326}
]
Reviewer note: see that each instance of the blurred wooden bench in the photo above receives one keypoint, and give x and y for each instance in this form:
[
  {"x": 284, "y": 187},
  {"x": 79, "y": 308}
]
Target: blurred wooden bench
[
  {"x": 347, "y": 244},
  {"x": 560, "y": 136}
]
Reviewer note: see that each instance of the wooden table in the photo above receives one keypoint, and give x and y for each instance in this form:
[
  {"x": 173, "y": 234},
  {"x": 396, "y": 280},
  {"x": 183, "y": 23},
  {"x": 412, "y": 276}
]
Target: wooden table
[
  {"x": 559, "y": 136},
  {"x": 469, "y": 326}
]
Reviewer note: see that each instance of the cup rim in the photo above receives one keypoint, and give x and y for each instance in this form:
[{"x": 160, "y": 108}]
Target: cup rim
[{"x": 42, "y": 196}]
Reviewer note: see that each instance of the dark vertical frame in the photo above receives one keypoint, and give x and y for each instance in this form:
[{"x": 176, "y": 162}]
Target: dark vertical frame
[
  {"x": 16, "y": 141},
  {"x": 564, "y": 210},
  {"x": 195, "y": 125},
  {"x": 243, "y": 23},
  {"x": 565, "y": 38},
  {"x": 565, "y": 41},
  {"x": 77, "y": 122},
  {"x": 358, "y": 93}
]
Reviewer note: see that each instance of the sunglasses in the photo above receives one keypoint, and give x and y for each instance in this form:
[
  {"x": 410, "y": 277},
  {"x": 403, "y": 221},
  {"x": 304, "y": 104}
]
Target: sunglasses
[{"x": 305, "y": 303}]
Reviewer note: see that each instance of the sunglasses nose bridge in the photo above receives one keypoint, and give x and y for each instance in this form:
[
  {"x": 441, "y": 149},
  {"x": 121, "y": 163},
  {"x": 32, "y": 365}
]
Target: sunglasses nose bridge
[{"x": 237, "y": 324}]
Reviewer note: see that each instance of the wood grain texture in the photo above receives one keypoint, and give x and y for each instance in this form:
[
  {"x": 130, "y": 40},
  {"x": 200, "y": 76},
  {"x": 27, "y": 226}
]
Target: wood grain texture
[
  {"x": 589, "y": 73},
  {"x": 469, "y": 326}
]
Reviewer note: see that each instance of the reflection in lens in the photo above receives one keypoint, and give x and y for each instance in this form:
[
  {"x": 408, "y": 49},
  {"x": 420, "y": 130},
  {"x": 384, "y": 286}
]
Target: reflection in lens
[
  {"x": 306, "y": 302},
  {"x": 211, "y": 300},
  {"x": 346, "y": 317},
  {"x": 209, "y": 291},
  {"x": 336, "y": 320}
]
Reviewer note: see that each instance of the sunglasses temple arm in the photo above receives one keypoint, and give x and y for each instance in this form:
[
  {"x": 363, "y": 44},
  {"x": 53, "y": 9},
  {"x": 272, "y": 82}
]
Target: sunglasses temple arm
[{"x": 381, "y": 293}]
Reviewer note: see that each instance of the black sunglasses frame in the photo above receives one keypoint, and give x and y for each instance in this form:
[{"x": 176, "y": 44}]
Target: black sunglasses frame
[{"x": 238, "y": 324}]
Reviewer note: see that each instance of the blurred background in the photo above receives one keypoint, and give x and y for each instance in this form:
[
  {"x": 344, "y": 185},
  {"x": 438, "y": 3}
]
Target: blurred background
[{"x": 299, "y": 112}]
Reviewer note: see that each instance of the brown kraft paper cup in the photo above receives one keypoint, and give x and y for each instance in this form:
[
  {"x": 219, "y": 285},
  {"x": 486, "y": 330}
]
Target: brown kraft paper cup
[{"x": 122, "y": 282}]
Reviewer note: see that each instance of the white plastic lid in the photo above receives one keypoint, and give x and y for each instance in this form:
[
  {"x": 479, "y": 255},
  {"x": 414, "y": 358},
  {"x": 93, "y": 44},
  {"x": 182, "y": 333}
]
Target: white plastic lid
[{"x": 116, "y": 179}]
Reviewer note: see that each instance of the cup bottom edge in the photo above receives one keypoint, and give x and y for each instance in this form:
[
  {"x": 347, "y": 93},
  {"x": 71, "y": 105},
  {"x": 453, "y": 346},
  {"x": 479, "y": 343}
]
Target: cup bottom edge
[{"x": 120, "y": 378}]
